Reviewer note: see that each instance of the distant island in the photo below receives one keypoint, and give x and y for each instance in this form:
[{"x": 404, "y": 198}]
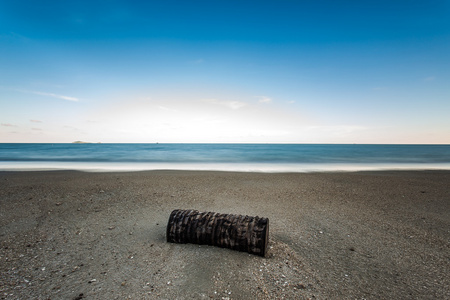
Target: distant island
[{"x": 81, "y": 142}]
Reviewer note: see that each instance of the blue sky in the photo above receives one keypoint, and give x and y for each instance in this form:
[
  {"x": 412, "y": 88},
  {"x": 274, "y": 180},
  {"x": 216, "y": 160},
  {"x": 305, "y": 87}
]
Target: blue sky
[{"x": 225, "y": 71}]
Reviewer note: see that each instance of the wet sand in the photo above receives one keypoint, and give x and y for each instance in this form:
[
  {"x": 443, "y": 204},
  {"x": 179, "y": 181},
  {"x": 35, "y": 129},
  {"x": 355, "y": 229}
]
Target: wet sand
[{"x": 362, "y": 235}]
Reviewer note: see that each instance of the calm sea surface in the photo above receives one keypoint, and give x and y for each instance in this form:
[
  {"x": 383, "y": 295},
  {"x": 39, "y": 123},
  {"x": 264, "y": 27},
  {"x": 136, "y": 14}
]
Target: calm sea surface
[{"x": 236, "y": 157}]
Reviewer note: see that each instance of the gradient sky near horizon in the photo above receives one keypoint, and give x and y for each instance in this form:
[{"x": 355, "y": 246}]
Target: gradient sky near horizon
[{"x": 225, "y": 71}]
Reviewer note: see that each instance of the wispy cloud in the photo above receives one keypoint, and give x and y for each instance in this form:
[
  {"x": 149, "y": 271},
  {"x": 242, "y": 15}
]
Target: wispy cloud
[
  {"x": 229, "y": 104},
  {"x": 337, "y": 130},
  {"x": 430, "y": 78},
  {"x": 197, "y": 61},
  {"x": 68, "y": 98},
  {"x": 264, "y": 99},
  {"x": 16, "y": 36},
  {"x": 62, "y": 97},
  {"x": 35, "y": 121},
  {"x": 8, "y": 125},
  {"x": 165, "y": 108}
]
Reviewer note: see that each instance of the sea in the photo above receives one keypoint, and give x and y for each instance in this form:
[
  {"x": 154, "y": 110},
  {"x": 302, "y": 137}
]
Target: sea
[{"x": 223, "y": 157}]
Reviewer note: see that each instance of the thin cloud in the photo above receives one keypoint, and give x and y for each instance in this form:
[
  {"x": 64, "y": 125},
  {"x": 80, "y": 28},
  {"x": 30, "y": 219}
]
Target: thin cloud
[
  {"x": 431, "y": 78},
  {"x": 17, "y": 37},
  {"x": 35, "y": 121},
  {"x": 234, "y": 104},
  {"x": 36, "y": 129},
  {"x": 230, "y": 104},
  {"x": 8, "y": 125},
  {"x": 339, "y": 130},
  {"x": 264, "y": 99},
  {"x": 56, "y": 96},
  {"x": 197, "y": 61},
  {"x": 165, "y": 108},
  {"x": 62, "y": 97}
]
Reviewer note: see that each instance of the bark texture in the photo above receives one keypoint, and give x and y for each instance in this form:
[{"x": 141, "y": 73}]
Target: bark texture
[{"x": 237, "y": 232}]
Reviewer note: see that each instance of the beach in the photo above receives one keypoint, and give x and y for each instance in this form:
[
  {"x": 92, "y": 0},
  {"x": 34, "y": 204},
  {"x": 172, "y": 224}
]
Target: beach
[{"x": 333, "y": 235}]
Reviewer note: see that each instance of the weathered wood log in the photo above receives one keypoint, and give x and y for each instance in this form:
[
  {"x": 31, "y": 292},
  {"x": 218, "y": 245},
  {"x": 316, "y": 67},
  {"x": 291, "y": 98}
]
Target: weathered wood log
[{"x": 237, "y": 232}]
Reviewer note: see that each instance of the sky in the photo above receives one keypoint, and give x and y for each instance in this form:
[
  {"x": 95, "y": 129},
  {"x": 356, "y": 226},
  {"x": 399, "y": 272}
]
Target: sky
[{"x": 225, "y": 71}]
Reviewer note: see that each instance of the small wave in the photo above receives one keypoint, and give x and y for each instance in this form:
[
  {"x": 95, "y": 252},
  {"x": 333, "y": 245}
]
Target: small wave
[{"x": 231, "y": 167}]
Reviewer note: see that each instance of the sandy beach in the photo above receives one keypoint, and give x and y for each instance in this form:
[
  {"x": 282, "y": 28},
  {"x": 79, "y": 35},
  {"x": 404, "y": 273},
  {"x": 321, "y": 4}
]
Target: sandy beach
[{"x": 360, "y": 235}]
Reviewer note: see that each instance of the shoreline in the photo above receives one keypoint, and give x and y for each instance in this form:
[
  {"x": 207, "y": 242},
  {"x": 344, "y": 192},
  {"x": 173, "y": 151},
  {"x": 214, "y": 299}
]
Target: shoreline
[
  {"x": 225, "y": 167},
  {"x": 366, "y": 234}
]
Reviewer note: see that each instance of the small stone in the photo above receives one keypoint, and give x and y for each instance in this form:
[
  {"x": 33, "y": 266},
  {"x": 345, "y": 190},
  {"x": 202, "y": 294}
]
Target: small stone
[
  {"x": 79, "y": 297},
  {"x": 92, "y": 280}
]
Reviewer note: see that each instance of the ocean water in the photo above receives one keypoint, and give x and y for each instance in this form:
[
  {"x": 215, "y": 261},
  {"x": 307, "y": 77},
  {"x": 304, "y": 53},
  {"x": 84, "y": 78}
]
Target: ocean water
[{"x": 225, "y": 157}]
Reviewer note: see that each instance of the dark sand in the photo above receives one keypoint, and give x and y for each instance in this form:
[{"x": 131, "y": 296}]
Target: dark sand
[{"x": 368, "y": 235}]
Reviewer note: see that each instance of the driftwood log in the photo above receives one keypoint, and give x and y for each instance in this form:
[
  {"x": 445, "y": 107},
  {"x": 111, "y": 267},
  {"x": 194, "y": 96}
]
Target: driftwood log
[{"x": 237, "y": 232}]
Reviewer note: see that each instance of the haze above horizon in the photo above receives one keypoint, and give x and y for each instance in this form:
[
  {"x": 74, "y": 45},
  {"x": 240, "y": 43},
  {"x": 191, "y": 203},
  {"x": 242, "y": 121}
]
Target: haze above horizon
[{"x": 225, "y": 71}]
